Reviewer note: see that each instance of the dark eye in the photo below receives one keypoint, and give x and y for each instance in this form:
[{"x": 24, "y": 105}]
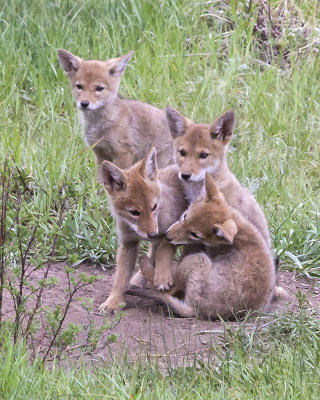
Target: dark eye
[
  {"x": 182, "y": 153},
  {"x": 194, "y": 235},
  {"x": 99, "y": 88},
  {"x": 203, "y": 155},
  {"x": 79, "y": 86},
  {"x": 154, "y": 207},
  {"x": 135, "y": 212}
]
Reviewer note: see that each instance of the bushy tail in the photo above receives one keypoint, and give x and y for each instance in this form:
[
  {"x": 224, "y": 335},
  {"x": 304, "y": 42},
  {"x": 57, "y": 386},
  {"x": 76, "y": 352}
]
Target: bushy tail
[{"x": 178, "y": 306}]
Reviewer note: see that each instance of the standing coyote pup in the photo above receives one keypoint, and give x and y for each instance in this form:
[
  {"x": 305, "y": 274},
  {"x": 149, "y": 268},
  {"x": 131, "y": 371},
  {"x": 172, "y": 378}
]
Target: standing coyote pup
[
  {"x": 119, "y": 130},
  {"x": 145, "y": 203},
  {"x": 202, "y": 148},
  {"x": 240, "y": 278}
]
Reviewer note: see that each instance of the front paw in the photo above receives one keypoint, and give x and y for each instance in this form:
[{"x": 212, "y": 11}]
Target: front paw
[
  {"x": 163, "y": 280},
  {"x": 111, "y": 305}
]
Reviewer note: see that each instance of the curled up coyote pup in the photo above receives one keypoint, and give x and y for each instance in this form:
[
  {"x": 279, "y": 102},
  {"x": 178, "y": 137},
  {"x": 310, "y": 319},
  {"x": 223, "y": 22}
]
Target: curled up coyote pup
[
  {"x": 240, "y": 278},
  {"x": 119, "y": 130},
  {"x": 144, "y": 203}
]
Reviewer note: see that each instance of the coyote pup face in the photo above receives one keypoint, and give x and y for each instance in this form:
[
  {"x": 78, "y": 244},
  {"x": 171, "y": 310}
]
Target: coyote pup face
[
  {"x": 94, "y": 83},
  {"x": 200, "y": 148},
  {"x": 134, "y": 194},
  {"x": 208, "y": 219}
]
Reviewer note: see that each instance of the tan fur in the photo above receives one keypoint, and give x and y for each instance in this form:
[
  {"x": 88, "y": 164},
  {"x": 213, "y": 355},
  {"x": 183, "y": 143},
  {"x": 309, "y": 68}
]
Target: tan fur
[
  {"x": 240, "y": 278},
  {"x": 156, "y": 197},
  {"x": 191, "y": 141},
  {"x": 120, "y": 130}
]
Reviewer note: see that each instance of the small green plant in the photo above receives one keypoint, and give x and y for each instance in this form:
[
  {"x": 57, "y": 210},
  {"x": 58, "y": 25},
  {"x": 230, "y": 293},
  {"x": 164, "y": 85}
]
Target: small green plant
[{"x": 26, "y": 272}]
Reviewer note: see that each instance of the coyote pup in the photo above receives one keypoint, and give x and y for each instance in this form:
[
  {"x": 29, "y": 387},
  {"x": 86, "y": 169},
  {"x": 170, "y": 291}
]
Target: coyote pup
[
  {"x": 145, "y": 203},
  {"x": 119, "y": 130},
  {"x": 240, "y": 278},
  {"x": 202, "y": 148}
]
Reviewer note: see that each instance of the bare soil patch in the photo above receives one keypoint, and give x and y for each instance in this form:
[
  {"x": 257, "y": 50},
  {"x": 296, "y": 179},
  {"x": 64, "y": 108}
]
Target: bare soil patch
[{"x": 147, "y": 330}]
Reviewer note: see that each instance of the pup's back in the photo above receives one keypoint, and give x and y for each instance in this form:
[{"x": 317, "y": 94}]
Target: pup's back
[
  {"x": 241, "y": 276},
  {"x": 149, "y": 127}
]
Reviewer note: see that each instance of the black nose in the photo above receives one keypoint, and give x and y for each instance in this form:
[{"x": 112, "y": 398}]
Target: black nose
[
  {"x": 185, "y": 176},
  {"x": 152, "y": 235},
  {"x": 84, "y": 104}
]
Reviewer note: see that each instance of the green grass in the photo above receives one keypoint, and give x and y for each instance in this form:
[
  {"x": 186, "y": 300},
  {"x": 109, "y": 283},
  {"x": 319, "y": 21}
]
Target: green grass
[
  {"x": 280, "y": 361},
  {"x": 202, "y": 66},
  {"x": 275, "y": 151}
]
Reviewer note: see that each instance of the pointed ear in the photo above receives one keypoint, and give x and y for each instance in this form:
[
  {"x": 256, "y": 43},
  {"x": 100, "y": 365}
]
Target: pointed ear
[
  {"x": 69, "y": 62},
  {"x": 227, "y": 230},
  {"x": 211, "y": 188},
  {"x": 118, "y": 65},
  {"x": 112, "y": 177},
  {"x": 222, "y": 128},
  {"x": 149, "y": 167},
  {"x": 177, "y": 123}
]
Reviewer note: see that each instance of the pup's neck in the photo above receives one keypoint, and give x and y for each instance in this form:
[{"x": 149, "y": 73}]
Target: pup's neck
[{"x": 222, "y": 174}]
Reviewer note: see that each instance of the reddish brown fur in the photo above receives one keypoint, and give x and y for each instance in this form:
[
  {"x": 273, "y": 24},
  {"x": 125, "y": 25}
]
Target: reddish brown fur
[
  {"x": 239, "y": 278},
  {"x": 119, "y": 130},
  {"x": 196, "y": 140},
  {"x": 212, "y": 139},
  {"x": 140, "y": 195},
  {"x": 139, "y": 189}
]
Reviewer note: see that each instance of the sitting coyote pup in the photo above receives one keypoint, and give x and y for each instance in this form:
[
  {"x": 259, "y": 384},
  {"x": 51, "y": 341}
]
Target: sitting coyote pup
[
  {"x": 202, "y": 148},
  {"x": 119, "y": 130},
  {"x": 144, "y": 203},
  {"x": 240, "y": 278}
]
